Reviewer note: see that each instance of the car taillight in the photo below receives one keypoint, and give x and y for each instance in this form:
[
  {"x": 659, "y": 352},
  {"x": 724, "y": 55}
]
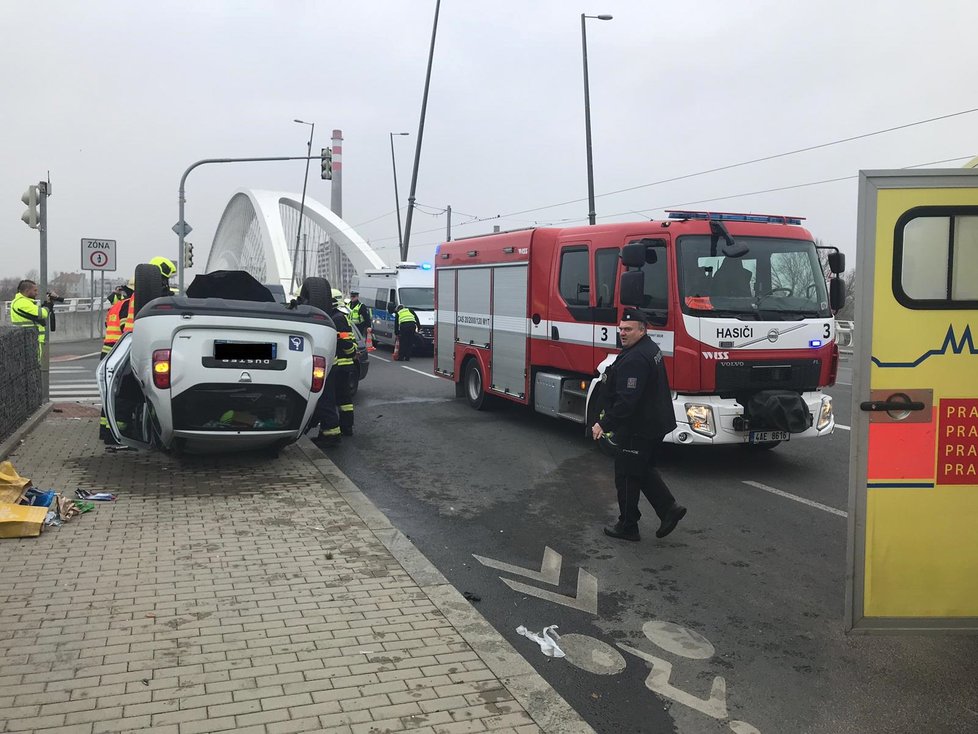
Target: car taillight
[
  {"x": 834, "y": 365},
  {"x": 161, "y": 369},
  {"x": 318, "y": 373}
]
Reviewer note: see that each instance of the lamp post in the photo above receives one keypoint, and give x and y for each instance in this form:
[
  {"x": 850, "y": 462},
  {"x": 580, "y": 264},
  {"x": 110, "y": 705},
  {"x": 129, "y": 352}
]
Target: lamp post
[
  {"x": 397, "y": 199},
  {"x": 302, "y": 203},
  {"x": 587, "y": 116}
]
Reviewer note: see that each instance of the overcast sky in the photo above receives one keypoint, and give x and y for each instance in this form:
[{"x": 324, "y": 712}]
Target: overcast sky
[{"x": 116, "y": 99}]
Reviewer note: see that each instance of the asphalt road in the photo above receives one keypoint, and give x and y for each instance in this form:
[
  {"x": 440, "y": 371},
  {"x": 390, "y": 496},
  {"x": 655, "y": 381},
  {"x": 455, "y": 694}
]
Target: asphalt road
[{"x": 740, "y": 608}]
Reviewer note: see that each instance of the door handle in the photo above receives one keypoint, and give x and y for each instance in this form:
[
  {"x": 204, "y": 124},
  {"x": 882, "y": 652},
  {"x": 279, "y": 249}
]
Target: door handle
[
  {"x": 554, "y": 334},
  {"x": 886, "y": 406}
]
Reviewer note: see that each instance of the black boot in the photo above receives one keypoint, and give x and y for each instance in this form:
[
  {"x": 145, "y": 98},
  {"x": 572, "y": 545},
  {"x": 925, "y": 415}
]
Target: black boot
[
  {"x": 621, "y": 532},
  {"x": 671, "y": 519}
]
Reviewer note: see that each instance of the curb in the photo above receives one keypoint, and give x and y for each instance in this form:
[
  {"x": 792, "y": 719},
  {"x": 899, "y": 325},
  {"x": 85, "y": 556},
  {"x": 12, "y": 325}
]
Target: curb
[
  {"x": 13, "y": 441},
  {"x": 544, "y": 705},
  {"x": 72, "y": 357}
]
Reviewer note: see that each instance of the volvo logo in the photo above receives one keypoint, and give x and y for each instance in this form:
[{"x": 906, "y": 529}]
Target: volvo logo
[{"x": 772, "y": 335}]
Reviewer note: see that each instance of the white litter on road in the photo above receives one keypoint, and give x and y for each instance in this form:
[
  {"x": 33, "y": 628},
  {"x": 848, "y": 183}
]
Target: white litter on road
[{"x": 548, "y": 645}]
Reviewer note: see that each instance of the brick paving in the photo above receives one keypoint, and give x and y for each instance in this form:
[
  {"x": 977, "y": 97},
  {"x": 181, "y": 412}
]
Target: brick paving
[{"x": 235, "y": 593}]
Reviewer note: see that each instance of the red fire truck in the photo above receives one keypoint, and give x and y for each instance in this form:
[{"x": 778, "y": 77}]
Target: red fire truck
[{"x": 738, "y": 304}]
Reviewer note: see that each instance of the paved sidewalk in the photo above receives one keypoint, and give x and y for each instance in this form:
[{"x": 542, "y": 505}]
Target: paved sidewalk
[{"x": 239, "y": 593}]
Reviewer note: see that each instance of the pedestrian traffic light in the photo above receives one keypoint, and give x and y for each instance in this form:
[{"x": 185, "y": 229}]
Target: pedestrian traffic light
[
  {"x": 30, "y": 216},
  {"x": 188, "y": 255},
  {"x": 327, "y": 160}
]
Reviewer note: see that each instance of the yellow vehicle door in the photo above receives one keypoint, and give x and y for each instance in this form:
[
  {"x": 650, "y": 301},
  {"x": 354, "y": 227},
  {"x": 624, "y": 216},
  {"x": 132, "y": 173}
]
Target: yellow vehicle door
[{"x": 913, "y": 488}]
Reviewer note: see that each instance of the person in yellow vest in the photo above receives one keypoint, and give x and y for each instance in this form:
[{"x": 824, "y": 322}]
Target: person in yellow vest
[
  {"x": 25, "y": 311},
  {"x": 406, "y": 323}
]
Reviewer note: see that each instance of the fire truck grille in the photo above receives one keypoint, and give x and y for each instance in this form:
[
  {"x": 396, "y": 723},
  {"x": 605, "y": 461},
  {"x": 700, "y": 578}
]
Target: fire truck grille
[{"x": 736, "y": 377}]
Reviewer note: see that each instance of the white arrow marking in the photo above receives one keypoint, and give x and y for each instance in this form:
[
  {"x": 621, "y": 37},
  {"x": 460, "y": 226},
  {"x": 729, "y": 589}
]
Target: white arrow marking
[
  {"x": 585, "y": 601},
  {"x": 549, "y": 572}
]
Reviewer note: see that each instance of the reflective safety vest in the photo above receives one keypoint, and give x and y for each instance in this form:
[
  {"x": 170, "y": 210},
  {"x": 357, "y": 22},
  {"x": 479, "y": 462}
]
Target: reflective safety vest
[
  {"x": 117, "y": 323},
  {"x": 346, "y": 342},
  {"x": 25, "y": 312},
  {"x": 404, "y": 316},
  {"x": 360, "y": 314}
]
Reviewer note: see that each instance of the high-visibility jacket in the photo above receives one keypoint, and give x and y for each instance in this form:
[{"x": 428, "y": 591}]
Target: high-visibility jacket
[
  {"x": 117, "y": 322},
  {"x": 25, "y": 312},
  {"x": 360, "y": 315},
  {"x": 405, "y": 316},
  {"x": 346, "y": 342}
]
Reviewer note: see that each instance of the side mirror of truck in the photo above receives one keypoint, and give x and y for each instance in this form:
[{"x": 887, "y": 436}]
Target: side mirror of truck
[
  {"x": 837, "y": 294},
  {"x": 391, "y": 306},
  {"x": 837, "y": 262},
  {"x": 632, "y": 288},
  {"x": 640, "y": 252}
]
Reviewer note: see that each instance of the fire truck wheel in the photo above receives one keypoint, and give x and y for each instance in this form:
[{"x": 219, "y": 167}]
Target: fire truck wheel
[
  {"x": 475, "y": 392},
  {"x": 763, "y": 446}
]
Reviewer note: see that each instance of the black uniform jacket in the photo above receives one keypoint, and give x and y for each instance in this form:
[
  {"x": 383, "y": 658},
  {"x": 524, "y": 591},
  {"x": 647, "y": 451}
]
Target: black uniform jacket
[{"x": 638, "y": 402}]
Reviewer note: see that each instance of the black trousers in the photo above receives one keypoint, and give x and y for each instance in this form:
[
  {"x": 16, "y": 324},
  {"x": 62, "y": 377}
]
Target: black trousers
[
  {"x": 334, "y": 411},
  {"x": 635, "y": 474},
  {"x": 408, "y": 335}
]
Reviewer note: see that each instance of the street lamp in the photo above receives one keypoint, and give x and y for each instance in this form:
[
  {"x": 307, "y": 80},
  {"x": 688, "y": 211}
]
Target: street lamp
[
  {"x": 302, "y": 203},
  {"x": 587, "y": 116},
  {"x": 397, "y": 199}
]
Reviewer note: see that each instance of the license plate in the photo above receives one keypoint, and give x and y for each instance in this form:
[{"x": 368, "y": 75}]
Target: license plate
[
  {"x": 243, "y": 351},
  {"x": 765, "y": 436}
]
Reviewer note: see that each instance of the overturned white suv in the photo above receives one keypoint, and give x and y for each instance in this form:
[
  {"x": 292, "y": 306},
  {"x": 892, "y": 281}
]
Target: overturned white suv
[{"x": 224, "y": 367}]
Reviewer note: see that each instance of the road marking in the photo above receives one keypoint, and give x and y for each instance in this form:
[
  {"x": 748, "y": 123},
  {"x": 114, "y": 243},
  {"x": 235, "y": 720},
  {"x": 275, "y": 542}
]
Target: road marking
[
  {"x": 842, "y": 427},
  {"x": 658, "y": 682},
  {"x": 591, "y": 655},
  {"x": 549, "y": 572},
  {"x": 679, "y": 640},
  {"x": 585, "y": 601},
  {"x": 810, "y": 503},
  {"x": 426, "y": 374},
  {"x": 380, "y": 358},
  {"x": 74, "y": 357}
]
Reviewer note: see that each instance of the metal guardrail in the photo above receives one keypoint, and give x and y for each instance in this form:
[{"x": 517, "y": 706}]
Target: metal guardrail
[{"x": 71, "y": 305}]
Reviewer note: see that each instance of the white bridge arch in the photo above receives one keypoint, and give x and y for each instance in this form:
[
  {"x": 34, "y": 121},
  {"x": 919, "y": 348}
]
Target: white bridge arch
[{"x": 257, "y": 233}]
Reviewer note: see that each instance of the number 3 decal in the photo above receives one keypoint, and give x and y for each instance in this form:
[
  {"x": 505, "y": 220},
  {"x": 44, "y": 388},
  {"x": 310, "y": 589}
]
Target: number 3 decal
[
  {"x": 604, "y": 333},
  {"x": 828, "y": 331}
]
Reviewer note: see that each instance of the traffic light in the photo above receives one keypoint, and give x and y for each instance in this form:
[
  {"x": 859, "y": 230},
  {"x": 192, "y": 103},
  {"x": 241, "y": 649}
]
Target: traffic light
[
  {"x": 188, "y": 255},
  {"x": 327, "y": 160},
  {"x": 30, "y": 216}
]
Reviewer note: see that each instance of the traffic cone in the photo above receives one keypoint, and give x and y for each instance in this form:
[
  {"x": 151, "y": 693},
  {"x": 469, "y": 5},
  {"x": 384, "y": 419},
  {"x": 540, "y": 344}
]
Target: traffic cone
[
  {"x": 397, "y": 348},
  {"x": 370, "y": 341}
]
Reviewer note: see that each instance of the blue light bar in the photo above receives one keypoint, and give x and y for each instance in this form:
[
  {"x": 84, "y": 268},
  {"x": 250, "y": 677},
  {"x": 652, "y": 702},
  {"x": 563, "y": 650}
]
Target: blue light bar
[
  {"x": 426, "y": 266},
  {"x": 734, "y": 217},
  {"x": 815, "y": 343}
]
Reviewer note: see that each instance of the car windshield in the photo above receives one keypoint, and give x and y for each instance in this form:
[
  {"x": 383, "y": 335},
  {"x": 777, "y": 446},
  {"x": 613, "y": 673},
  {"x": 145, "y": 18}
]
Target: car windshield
[
  {"x": 777, "y": 279},
  {"x": 421, "y": 298}
]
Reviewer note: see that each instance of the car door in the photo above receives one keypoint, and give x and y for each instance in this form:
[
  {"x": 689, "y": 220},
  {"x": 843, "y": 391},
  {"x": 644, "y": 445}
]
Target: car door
[
  {"x": 912, "y": 555},
  {"x": 125, "y": 405}
]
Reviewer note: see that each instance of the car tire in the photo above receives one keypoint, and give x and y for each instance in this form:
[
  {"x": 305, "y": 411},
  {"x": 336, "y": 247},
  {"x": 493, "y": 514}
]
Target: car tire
[
  {"x": 474, "y": 386},
  {"x": 318, "y": 293},
  {"x": 148, "y": 284}
]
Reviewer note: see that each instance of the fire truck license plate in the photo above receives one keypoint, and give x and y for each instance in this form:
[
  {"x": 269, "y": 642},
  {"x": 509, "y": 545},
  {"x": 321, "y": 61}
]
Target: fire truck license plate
[{"x": 765, "y": 436}]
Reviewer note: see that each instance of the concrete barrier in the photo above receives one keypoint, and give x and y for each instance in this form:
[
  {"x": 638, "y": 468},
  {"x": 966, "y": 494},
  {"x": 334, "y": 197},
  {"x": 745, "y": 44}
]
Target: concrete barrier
[
  {"x": 20, "y": 378},
  {"x": 77, "y": 326}
]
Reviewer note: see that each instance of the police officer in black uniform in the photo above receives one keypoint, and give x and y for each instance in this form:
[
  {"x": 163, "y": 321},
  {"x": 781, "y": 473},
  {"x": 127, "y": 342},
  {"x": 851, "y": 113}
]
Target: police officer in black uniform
[{"x": 638, "y": 411}]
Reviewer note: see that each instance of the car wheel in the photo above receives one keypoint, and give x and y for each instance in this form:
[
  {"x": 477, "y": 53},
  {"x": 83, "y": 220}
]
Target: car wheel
[
  {"x": 475, "y": 392},
  {"x": 318, "y": 293},
  {"x": 148, "y": 284}
]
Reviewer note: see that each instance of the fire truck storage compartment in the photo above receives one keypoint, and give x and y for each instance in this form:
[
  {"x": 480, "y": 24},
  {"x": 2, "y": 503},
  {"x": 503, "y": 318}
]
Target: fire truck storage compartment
[
  {"x": 509, "y": 330},
  {"x": 551, "y": 396},
  {"x": 473, "y": 317},
  {"x": 445, "y": 288}
]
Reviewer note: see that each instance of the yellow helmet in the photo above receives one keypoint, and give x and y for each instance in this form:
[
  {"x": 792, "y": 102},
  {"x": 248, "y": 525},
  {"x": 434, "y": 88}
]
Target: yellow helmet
[
  {"x": 337, "y": 296},
  {"x": 165, "y": 265}
]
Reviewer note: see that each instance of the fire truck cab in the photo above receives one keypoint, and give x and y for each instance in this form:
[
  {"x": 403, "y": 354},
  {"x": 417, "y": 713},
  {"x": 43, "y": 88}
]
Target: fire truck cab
[{"x": 738, "y": 304}]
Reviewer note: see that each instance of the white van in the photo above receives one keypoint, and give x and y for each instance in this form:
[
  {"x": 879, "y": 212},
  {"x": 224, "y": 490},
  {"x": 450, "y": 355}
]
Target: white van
[{"x": 407, "y": 284}]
